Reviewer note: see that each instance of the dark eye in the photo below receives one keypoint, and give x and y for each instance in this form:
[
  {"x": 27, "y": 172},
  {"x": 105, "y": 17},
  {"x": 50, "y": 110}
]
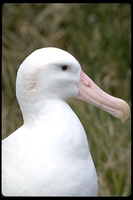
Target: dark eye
[{"x": 64, "y": 67}]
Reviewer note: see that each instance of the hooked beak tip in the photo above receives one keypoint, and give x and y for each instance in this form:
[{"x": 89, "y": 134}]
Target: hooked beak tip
[{"x": 125, "y": 110}]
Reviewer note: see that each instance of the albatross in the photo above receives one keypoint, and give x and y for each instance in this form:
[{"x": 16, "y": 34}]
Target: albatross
[{"x": 49, "y": 154}]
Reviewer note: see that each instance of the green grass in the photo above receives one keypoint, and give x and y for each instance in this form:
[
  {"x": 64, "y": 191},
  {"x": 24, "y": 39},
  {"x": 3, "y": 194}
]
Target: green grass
[{"x": 99, "y": 36}]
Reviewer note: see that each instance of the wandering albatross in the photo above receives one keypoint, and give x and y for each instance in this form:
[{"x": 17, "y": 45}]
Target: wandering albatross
[{"x": 49, "y": 154}]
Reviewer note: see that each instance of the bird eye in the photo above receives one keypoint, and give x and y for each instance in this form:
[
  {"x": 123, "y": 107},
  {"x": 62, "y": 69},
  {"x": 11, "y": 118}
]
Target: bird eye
[{"x": 64, "y": 67}]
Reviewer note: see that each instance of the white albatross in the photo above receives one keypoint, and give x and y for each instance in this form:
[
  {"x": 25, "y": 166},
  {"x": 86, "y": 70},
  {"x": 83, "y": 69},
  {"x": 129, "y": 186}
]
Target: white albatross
[{"x": 49, "y": 154}]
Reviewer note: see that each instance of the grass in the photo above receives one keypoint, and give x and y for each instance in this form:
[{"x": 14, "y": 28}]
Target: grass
[{"x": 99, "y": 36}]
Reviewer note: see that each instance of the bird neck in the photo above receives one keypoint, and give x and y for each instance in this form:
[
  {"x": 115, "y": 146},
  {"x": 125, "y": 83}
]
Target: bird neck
[{"x": 41, "y": 112}]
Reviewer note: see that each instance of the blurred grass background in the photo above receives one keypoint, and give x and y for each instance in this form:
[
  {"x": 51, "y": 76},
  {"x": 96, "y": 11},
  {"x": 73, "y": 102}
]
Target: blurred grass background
[{"x": 99, "y": 36}]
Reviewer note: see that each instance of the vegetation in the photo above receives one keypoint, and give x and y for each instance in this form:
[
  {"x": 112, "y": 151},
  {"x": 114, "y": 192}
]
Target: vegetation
[{"x": 99, "y": 36}]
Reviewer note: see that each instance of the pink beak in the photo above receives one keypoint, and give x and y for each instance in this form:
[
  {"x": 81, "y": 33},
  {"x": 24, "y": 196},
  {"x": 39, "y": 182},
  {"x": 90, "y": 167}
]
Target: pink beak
[{"x": 91, "y": 93}]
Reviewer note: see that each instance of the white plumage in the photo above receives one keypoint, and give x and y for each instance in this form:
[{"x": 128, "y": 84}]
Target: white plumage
[{"x": 49, "y": 155}]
